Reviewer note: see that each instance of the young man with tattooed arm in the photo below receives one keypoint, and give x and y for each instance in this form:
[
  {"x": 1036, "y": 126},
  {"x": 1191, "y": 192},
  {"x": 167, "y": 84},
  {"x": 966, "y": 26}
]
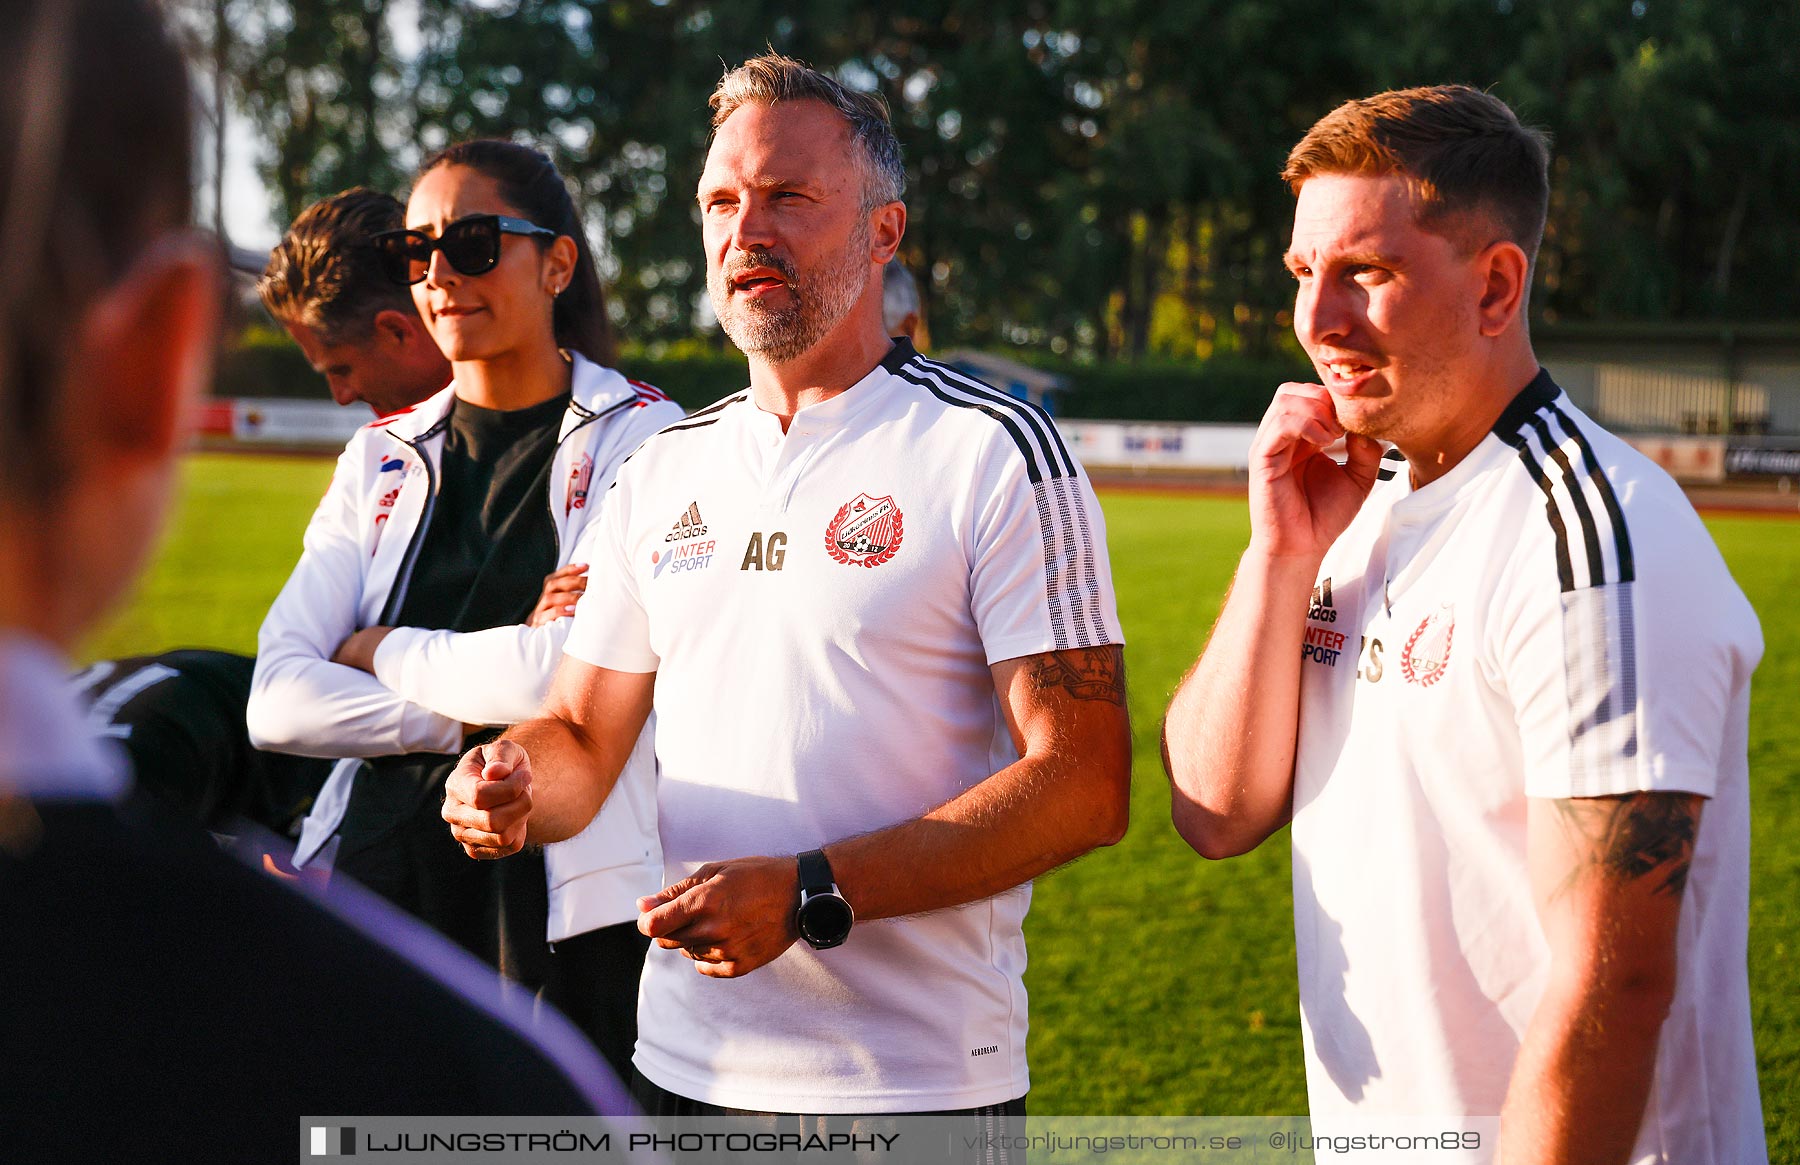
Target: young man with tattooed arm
[
  {"x": 870, "y": 601},
  {"x": 1497, "y": 677}
]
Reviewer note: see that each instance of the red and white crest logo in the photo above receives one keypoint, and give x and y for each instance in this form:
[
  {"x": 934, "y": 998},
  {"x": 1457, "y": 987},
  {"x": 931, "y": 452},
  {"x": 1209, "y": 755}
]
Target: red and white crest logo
[
  {"x": 579, "y": 477},
  {"x": 1426, "y": 656},
  {"x": 866, "y": 531}
]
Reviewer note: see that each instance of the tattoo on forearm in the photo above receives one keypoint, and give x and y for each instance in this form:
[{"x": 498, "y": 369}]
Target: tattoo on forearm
[
  {"x": 1638, "y": 835},
  {"x": 1086, "y": 673}
]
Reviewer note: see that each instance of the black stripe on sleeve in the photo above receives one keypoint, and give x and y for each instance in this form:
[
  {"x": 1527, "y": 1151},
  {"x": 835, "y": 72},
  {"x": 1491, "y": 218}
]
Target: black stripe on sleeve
[
  {"x": 1510, "y": 428},
  {"x": 1033, "y": 471},
  {"x": 1090, "y": 577},
  {"x": 1584, "y": 513},
  {"x": 1053, "y": 592},
  {"x": 1048, "y": 444},
  {"x": 1608, "y": 499},
  {"x": 1534, "y": 396},
  {"x": 706, "y": 416},
  {"x": 1039, "y": 422},
  {"x": 688, "y": 424},
  {"x": 719, "y": 406},
  {"x": 1529, "y": 414},
  {"x": 1072, "y": 590},
  {"x": 899, "y": 355},
  {"x": 1565, "y": 571},
  {"x": 697, "y": 420},
  {"x": 1599, "y": 619}
]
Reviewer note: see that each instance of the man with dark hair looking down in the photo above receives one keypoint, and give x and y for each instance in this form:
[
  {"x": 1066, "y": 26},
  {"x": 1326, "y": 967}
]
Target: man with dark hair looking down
[{"x": 359, "y": 330}]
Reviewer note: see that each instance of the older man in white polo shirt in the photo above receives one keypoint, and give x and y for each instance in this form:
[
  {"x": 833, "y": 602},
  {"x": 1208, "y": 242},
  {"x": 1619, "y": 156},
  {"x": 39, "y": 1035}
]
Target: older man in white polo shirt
[{"x": 872, "y": 602}]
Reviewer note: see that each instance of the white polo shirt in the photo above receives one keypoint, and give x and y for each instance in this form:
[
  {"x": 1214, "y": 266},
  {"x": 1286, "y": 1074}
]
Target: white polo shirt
[
  {"x": 821, "y": 608},
  {"x": 1549, "y": 619}
]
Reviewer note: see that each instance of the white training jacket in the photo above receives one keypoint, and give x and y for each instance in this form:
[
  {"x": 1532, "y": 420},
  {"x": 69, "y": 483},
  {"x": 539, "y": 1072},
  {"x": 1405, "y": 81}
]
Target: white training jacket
[{"x": 359, "y": 553}]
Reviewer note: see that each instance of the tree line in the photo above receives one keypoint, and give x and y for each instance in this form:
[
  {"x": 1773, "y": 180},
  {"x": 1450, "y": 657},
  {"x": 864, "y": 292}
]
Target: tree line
[{"x": 1086, "y": 178}]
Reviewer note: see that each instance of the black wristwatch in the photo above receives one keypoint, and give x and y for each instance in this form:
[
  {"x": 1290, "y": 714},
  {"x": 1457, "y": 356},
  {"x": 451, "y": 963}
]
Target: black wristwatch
[{"x": 824, "y": 917}]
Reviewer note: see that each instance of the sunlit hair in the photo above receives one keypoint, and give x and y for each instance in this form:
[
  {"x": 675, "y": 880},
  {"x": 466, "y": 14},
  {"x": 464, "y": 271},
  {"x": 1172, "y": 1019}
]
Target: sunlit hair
[
  {"x": 530, "y": 183},
  {"x": 323, "y": 274},
  {"x": 94, "y": 165},
  {"x": 1477, "y": 173},
  {"x": 772, "y": 78}
]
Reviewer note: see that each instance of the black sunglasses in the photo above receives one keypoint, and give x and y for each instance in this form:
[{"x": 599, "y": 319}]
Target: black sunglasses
[{"x": 471, "y": 245}]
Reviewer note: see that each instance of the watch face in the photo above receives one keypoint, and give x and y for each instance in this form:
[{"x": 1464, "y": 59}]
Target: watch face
[{"x": 825, "y": 920}]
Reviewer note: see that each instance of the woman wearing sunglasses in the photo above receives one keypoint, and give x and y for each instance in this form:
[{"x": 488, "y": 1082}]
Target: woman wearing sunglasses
[{"x": 413, "y": 624}]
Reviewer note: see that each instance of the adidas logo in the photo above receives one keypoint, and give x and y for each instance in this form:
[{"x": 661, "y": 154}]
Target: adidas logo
[
  {"x": 1321, "y": 610},
  {"x": 689, "y": 525}
]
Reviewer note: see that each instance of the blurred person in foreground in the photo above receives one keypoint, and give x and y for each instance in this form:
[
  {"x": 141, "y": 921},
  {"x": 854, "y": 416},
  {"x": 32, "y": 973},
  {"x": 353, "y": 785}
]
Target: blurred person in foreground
[
  {"x": 180, "y": 714},
  {"x": 870, "y": 602},
  {"x": 1497, "y": 676},
  {"x": 160, "y": 997},
  {"x": 415, "y": 618},
  {"x": 900, "y": 302}
]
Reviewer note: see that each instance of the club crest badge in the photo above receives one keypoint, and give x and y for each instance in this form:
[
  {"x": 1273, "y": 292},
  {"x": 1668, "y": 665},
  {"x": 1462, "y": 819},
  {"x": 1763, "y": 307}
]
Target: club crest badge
[
  {"x": 866, "y": 531},
  {"x": 1426, "y": 656},
  {"x": 580, "y": 475}
]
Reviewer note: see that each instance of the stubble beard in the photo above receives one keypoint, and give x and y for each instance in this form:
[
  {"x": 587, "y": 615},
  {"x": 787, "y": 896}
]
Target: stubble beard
[
  {"x": 1368, "y": 418},
  {"x": 820, "y": 302},
  {"x": 1418, "y": 412}
]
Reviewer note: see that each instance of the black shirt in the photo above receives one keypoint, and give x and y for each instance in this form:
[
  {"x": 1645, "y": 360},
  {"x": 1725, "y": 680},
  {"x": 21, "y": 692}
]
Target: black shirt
[
  {"x": 491, "y": 538},
  {"x": 488, "y": 544}
]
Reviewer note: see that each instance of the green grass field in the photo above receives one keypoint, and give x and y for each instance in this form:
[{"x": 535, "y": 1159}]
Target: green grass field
[{"x": 1160, "y": 983}]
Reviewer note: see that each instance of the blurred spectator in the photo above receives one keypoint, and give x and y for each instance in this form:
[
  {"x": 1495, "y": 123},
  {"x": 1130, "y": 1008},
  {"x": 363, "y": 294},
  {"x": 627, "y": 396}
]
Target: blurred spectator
[
  {"x": 165, "y": 1001},
  {"x": 900, "y": 303}
]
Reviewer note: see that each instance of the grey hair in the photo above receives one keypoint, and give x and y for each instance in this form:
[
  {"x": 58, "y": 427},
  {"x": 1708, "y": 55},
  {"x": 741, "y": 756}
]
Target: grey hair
[
  {"x": 773, "y": 78},
  {"x": 899, "y": 295}
]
